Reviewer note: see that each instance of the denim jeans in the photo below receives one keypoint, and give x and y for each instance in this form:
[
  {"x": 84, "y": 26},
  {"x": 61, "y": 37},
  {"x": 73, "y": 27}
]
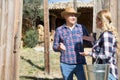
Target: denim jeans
[
  {"x": 111, "y": 77},
  {"x": 68, "y": 70}
]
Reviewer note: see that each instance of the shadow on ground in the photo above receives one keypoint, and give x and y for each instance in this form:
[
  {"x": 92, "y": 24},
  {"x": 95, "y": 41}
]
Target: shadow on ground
[
  {"x": 31, "y": 63},
  {"x": 35, "y": 78}
]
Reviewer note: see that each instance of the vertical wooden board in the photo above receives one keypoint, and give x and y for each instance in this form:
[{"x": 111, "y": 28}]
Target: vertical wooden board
[
  {"x": 118, "y": 20},
  {"x": 3, "y": 38},
  {"x": 17, "y": 38},
  {"x": 99, "y": 5},
  {"x": 9, "y": 49},
  {"x": 114, "y": 11},
  {"x": 7, "y": 21},
  {"x": 46, "y": 37},
  {"x": 118, "y": 28},
  {"x": 14, "y": 60}
]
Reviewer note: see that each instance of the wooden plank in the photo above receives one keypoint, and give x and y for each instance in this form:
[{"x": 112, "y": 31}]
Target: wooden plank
[
  {"x": 46, "y": 37},
  {"x": 9, "y": 48},
  {"x": 114, "y": 11},
  {"x": 118, "y": 28},
  {"x": 99, "y": 5},
  {"x": 75, "y": 4},
  {"x": 118, "y": 20},
  {"x": 3, "y": 39},
  {"x": 17, "y": 38}
]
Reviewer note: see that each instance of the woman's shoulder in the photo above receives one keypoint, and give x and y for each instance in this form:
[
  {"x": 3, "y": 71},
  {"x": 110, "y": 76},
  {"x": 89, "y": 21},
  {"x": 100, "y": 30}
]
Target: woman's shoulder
[{"x": 107, "y": 33}]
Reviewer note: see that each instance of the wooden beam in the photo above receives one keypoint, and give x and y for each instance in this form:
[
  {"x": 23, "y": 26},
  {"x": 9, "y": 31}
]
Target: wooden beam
[
  {"x": 17, "y": 38},
  {"x": 46, "y": 37},
  {"x": 99, "y": 5},
  {"x": 118, "y": 28},
  {"x": 75, "y": 4}
]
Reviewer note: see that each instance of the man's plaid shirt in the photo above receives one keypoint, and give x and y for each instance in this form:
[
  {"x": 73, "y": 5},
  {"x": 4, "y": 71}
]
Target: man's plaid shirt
[{"x": 73, "y": 42}]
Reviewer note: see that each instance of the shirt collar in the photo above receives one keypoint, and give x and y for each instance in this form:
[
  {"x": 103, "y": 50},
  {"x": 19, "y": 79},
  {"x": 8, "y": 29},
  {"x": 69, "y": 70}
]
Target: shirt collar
[{"x": 64, "y": 25}]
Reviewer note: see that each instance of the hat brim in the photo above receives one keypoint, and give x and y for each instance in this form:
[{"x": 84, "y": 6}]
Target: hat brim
[{"x": 76, "y": 14}]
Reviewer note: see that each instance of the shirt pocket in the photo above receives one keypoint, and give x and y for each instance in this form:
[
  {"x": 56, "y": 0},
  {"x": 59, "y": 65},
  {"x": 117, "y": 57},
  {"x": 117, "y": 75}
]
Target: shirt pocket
[
  {"x": 79, "y": 36},
  {"x": 65, "y": 38}
]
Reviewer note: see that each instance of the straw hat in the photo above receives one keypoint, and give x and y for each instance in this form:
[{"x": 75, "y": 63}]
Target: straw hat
[{"x": 69, "y": 10}]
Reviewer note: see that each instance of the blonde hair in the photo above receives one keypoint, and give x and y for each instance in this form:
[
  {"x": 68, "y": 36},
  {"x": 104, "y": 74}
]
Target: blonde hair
[{"x": 105, "y": 17}]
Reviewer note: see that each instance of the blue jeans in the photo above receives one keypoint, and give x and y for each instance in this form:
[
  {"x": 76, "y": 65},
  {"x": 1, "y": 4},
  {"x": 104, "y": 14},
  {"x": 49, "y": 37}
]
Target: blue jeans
[
  {"x": 111, "y": 77},
  {"x": 68, "y": 70}
]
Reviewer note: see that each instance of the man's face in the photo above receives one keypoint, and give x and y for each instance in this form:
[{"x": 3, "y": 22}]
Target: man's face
[{"x": 70, "y": 18}]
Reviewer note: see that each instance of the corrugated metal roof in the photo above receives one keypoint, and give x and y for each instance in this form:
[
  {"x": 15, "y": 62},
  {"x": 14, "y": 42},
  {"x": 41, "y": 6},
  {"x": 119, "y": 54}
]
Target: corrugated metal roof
[
  {"x": 61, "y": 4},
  {"x": 55, "y": 1}
]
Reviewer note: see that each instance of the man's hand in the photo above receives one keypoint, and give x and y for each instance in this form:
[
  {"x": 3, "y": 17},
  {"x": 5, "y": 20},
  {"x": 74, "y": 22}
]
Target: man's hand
[
  {"x": 88, "y": 38},
  {"x": 84, "y": 53},
  {"x": 62, "y": 46}
]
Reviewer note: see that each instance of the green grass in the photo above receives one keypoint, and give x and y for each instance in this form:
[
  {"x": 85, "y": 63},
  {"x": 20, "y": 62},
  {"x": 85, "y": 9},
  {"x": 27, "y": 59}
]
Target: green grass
[{"x": 32, "y": 65}]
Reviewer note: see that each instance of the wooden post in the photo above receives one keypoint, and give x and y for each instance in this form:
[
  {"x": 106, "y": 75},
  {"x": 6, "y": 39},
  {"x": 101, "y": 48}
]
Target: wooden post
[
  {"x": 118, "y": 28},
  {"x": 9, "y": 13},
  {"x": 75, "y": 4},
  {"x": 99, "y": 5},
  {"x": 114, "y": 11},
  {"x": 46, "y": 37},
  {"x": 3, "y": 42},
  {"x": 17, "y": 38}
]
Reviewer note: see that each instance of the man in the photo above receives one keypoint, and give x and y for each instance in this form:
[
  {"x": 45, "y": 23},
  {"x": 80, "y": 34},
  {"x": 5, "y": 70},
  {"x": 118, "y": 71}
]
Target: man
[{"x": 69, "y": 42}]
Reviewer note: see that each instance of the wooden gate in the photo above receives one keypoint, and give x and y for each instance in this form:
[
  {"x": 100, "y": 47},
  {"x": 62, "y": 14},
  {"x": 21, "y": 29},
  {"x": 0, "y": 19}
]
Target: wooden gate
[{"x": 10, "y": 35}]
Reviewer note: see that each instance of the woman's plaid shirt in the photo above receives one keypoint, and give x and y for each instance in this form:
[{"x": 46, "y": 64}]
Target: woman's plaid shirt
[{"x": 105, "y": 49}]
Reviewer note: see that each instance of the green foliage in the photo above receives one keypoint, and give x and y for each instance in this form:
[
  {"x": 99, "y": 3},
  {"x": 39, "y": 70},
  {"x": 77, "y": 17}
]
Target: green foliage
[
  {"x": 32, "y": 9},
  {"x": 31, "y": 38}
]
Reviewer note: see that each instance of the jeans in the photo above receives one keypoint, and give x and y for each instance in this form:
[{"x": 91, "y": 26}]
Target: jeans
[
  {"x": 111, "y": 77},
  {"x": 68, "y": 70}
]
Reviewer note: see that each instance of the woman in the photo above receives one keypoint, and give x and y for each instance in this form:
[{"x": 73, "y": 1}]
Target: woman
[{"x": 107, "y": 46}]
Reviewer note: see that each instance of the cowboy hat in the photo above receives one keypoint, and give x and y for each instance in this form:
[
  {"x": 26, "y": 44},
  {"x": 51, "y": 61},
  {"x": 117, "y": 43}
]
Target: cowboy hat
[{"x": 69, "y": 10}]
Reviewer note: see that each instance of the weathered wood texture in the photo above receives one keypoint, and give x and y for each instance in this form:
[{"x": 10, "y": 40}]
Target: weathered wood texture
[
  {"x": 118, "y": 28},
  {"x": 99, "y": 5},
  {"x": 10, "y": 18},
  {"x": 46, "y": 37}
]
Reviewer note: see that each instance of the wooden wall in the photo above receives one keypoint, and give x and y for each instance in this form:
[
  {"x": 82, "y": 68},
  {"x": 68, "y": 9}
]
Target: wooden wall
[
  {"x": 114, "y": 7},
  {"x": 10, "y": 35}
]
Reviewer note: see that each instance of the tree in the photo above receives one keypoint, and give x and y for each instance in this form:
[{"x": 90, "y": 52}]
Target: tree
[{"x": 32, "y": 9}]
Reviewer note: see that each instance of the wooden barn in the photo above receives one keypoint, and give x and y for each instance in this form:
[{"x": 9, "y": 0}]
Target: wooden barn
[{"x": 85, "y": 8}]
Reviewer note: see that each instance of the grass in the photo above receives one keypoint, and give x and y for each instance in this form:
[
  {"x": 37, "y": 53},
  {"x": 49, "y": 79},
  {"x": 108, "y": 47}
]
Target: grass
[{"x": 32, "y": 65}]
